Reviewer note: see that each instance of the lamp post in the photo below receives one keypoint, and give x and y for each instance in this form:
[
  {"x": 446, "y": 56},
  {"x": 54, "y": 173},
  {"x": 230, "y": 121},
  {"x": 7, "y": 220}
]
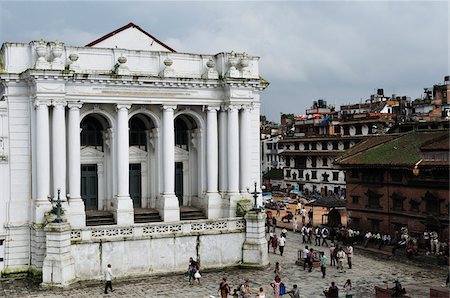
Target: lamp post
[
  {"x": 255, "y": 197},
  {"x": 58, "y": 208}
]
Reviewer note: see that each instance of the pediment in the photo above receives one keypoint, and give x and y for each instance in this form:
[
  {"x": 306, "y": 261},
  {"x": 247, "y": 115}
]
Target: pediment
[
  {"x": 91, "y": 151},
  {"x": 130, "y": 37},
  {"x": 135, "y": 151},
  {"x": 179, "y": 152}
]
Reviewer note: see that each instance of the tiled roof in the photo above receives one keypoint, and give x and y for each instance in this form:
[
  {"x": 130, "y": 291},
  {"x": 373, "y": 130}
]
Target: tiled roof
[
  {"x": 274, "y": 174},
  {"x": 390, "y": 150},
  {"x": 440, "y": 144}
]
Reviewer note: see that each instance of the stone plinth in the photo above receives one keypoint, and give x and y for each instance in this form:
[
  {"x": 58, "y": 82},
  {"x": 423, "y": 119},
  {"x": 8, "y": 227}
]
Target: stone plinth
[
  {"x": 59, "y": 265},
  {"x": 255, "y": 246}
]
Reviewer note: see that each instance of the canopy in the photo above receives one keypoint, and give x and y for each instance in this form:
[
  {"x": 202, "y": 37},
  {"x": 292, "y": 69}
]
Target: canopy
[{"x": 295, "y": 191}]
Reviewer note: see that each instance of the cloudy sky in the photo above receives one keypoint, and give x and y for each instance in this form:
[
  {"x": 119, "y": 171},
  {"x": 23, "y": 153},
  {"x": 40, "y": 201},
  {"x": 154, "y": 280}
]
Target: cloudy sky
[{"x": 340, "y": 51}]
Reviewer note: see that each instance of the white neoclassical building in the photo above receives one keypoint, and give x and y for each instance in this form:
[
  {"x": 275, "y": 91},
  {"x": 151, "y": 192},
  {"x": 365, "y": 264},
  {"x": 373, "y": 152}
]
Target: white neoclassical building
[{"x": 130, "y": 131}]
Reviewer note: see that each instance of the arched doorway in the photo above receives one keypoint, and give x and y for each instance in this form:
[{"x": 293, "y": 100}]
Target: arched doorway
[
  {"x": 187, "y": 168},
  {"x": 141, "y": 167},
  {"x": 334, "y": 218},
  {"x": 94, "y": 151}
]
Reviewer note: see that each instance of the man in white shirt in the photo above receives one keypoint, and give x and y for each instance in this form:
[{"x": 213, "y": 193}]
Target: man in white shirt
[
  {"x": 349, "y": 255},
  {"x": 108, "y": 278},
  {"x": 281, "y": 243},
  {"x": 305, "y": 257}
]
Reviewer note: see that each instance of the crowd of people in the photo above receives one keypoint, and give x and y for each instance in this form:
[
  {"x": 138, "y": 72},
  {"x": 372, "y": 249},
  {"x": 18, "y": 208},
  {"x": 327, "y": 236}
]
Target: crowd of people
[{"x": 340, "y": 242}]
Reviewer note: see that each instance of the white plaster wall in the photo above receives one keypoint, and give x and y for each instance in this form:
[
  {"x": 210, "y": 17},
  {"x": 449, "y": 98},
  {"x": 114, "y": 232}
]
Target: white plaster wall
[{"x": 157, "y": 255}]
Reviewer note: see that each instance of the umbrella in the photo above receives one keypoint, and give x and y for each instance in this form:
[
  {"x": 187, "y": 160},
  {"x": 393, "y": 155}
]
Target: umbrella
[{"x": 295, "y": 191}]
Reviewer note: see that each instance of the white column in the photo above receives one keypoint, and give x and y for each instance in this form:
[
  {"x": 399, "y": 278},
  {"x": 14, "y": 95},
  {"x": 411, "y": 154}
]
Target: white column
[
  {"x": 211, "y": 149},
  {"x": 77, "y": 215},
  {"x": 233, "y": 150},
  {"x": 59, "y": 148},
  {"x": 214, "y": 209},
  {"x": 223, "y": 183},
  {"x": 168, "y": 151},
  {"x": 124, "y": 206},
  {"x": 42, "y": 161},
  {"x": 245, "y": 147},
  {"x": 168, "y": 202}
]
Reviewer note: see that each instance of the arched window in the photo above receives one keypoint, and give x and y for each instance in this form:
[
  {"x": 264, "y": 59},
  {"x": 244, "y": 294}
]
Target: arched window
[
  {"x": 138, "y": 135},
  {"x": 181, "y": 134},
  {"x": 91, "y": 132}
]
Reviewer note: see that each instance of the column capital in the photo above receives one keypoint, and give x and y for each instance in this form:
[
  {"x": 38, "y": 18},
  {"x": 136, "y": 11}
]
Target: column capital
[
  {"x": 232, "y": 107},
  {"x": 212, "y": 108},
  {"x": 58, "y": 103},
  {"x": 122, "y": 106},
  {"x": 41, "y": 103},
  {"x": 74, "y": 105},
  {"x": 168, "y": 107},
  {"x": 247, "y": 107}
]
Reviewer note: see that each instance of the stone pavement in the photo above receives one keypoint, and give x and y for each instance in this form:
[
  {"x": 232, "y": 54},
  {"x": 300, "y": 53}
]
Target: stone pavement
[{"x": 368, "y": 270}]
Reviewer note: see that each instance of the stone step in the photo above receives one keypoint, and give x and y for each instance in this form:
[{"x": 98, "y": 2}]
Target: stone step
[
  {"x": 188, "y": 215},
  {"x": 99, "y": 218}
]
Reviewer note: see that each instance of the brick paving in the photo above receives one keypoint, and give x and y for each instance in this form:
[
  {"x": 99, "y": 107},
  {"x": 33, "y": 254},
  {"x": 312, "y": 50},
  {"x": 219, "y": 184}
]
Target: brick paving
[{"x": 369, "y": 269}]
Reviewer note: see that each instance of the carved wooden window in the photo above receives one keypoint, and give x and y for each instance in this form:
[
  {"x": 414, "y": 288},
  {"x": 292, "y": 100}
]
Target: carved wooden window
[
  {"x": 355, "y": 199},
  {"x": 297, "y": 146},
  {"x": 306, "y": 146},
  {"x": 373, "y": 199},
  {"x": 324, "y": 145},
  {"x": 432, "y": 203},
  {"x": 414, "y": 205},
  {"x": 313, "y": 146},
  {"x": 336, "y": 145},
  {"x": 397, "y": 201}
]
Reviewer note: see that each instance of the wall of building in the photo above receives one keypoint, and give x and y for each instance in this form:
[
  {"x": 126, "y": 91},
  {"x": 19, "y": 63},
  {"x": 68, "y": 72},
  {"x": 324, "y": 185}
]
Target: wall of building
[
  {"x": 161, "y": 248},
  {"x": 386, "y": 214}
]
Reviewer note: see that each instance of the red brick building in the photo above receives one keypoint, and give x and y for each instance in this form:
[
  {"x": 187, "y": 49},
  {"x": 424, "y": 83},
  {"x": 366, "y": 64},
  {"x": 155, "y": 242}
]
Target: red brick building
[{"x": 399, "y": 180}]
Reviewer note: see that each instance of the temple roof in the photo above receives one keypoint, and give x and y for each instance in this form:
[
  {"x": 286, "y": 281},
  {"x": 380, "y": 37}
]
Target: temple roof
[{"x": 390, "y": 150}]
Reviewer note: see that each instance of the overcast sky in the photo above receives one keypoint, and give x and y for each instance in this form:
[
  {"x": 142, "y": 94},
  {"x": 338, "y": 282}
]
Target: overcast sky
[{"x": 340, "y": 51}]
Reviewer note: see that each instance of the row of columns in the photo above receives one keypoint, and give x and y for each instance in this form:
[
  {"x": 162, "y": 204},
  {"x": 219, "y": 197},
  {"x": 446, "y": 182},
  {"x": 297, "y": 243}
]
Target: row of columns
[{"x": 234, "y": 163}]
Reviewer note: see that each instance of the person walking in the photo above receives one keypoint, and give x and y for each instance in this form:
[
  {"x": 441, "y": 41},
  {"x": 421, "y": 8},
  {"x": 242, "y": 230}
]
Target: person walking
[
  {"x": 310, "y": 259},
  {"x": 349, "y": 255},
  {"x": 224, "y": 288},
  {"x": 303, "y": 213},
  {"x": 245, "y": 289},
  {"x": 278, "y": 209},
  {"x": 348, "y": 289},
  {"x": 277, "y": 268},
  {"x": 340, "y": 259},
  {"x": 332, "y": 255},
  {"x": 324, "y": 234},
  {"x": 304, "y": 234},
  {"x": 274, "y": 224},
  {"x": 317, "y": 234},
  {"x": 192, "y": 269},
  {"x": 274, "y": 243},
  {"x": 294, "y": 225},
  {"x": 310, "y": 215},
  {"x": 323, "y": 264},
  {"x": 281, "y": 243},
  {"x": 309, "y": 229},
  {"x": 108, "y": 279},
  {"x": 305, "y": 257}
]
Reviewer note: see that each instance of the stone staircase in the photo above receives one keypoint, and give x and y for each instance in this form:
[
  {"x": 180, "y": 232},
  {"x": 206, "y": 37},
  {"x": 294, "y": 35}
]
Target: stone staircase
[
  {"x": 191, "y": 213},
  {"x": 143, "y": 215},
  {"x": 99, "y": 218}
]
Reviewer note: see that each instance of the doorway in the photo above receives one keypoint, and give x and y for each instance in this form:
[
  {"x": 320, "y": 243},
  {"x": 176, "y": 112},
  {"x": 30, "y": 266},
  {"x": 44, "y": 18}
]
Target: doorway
[
  {"x": 89, "y": 186},
  {"x": 179, "y": 182},
  {"x": 135, "y": 184}
]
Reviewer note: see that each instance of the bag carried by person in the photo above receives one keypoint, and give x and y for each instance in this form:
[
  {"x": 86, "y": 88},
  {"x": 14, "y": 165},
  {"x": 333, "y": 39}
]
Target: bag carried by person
[
  {"x": 197, "y": 274},
  {"x": 282, "y": 289}
]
